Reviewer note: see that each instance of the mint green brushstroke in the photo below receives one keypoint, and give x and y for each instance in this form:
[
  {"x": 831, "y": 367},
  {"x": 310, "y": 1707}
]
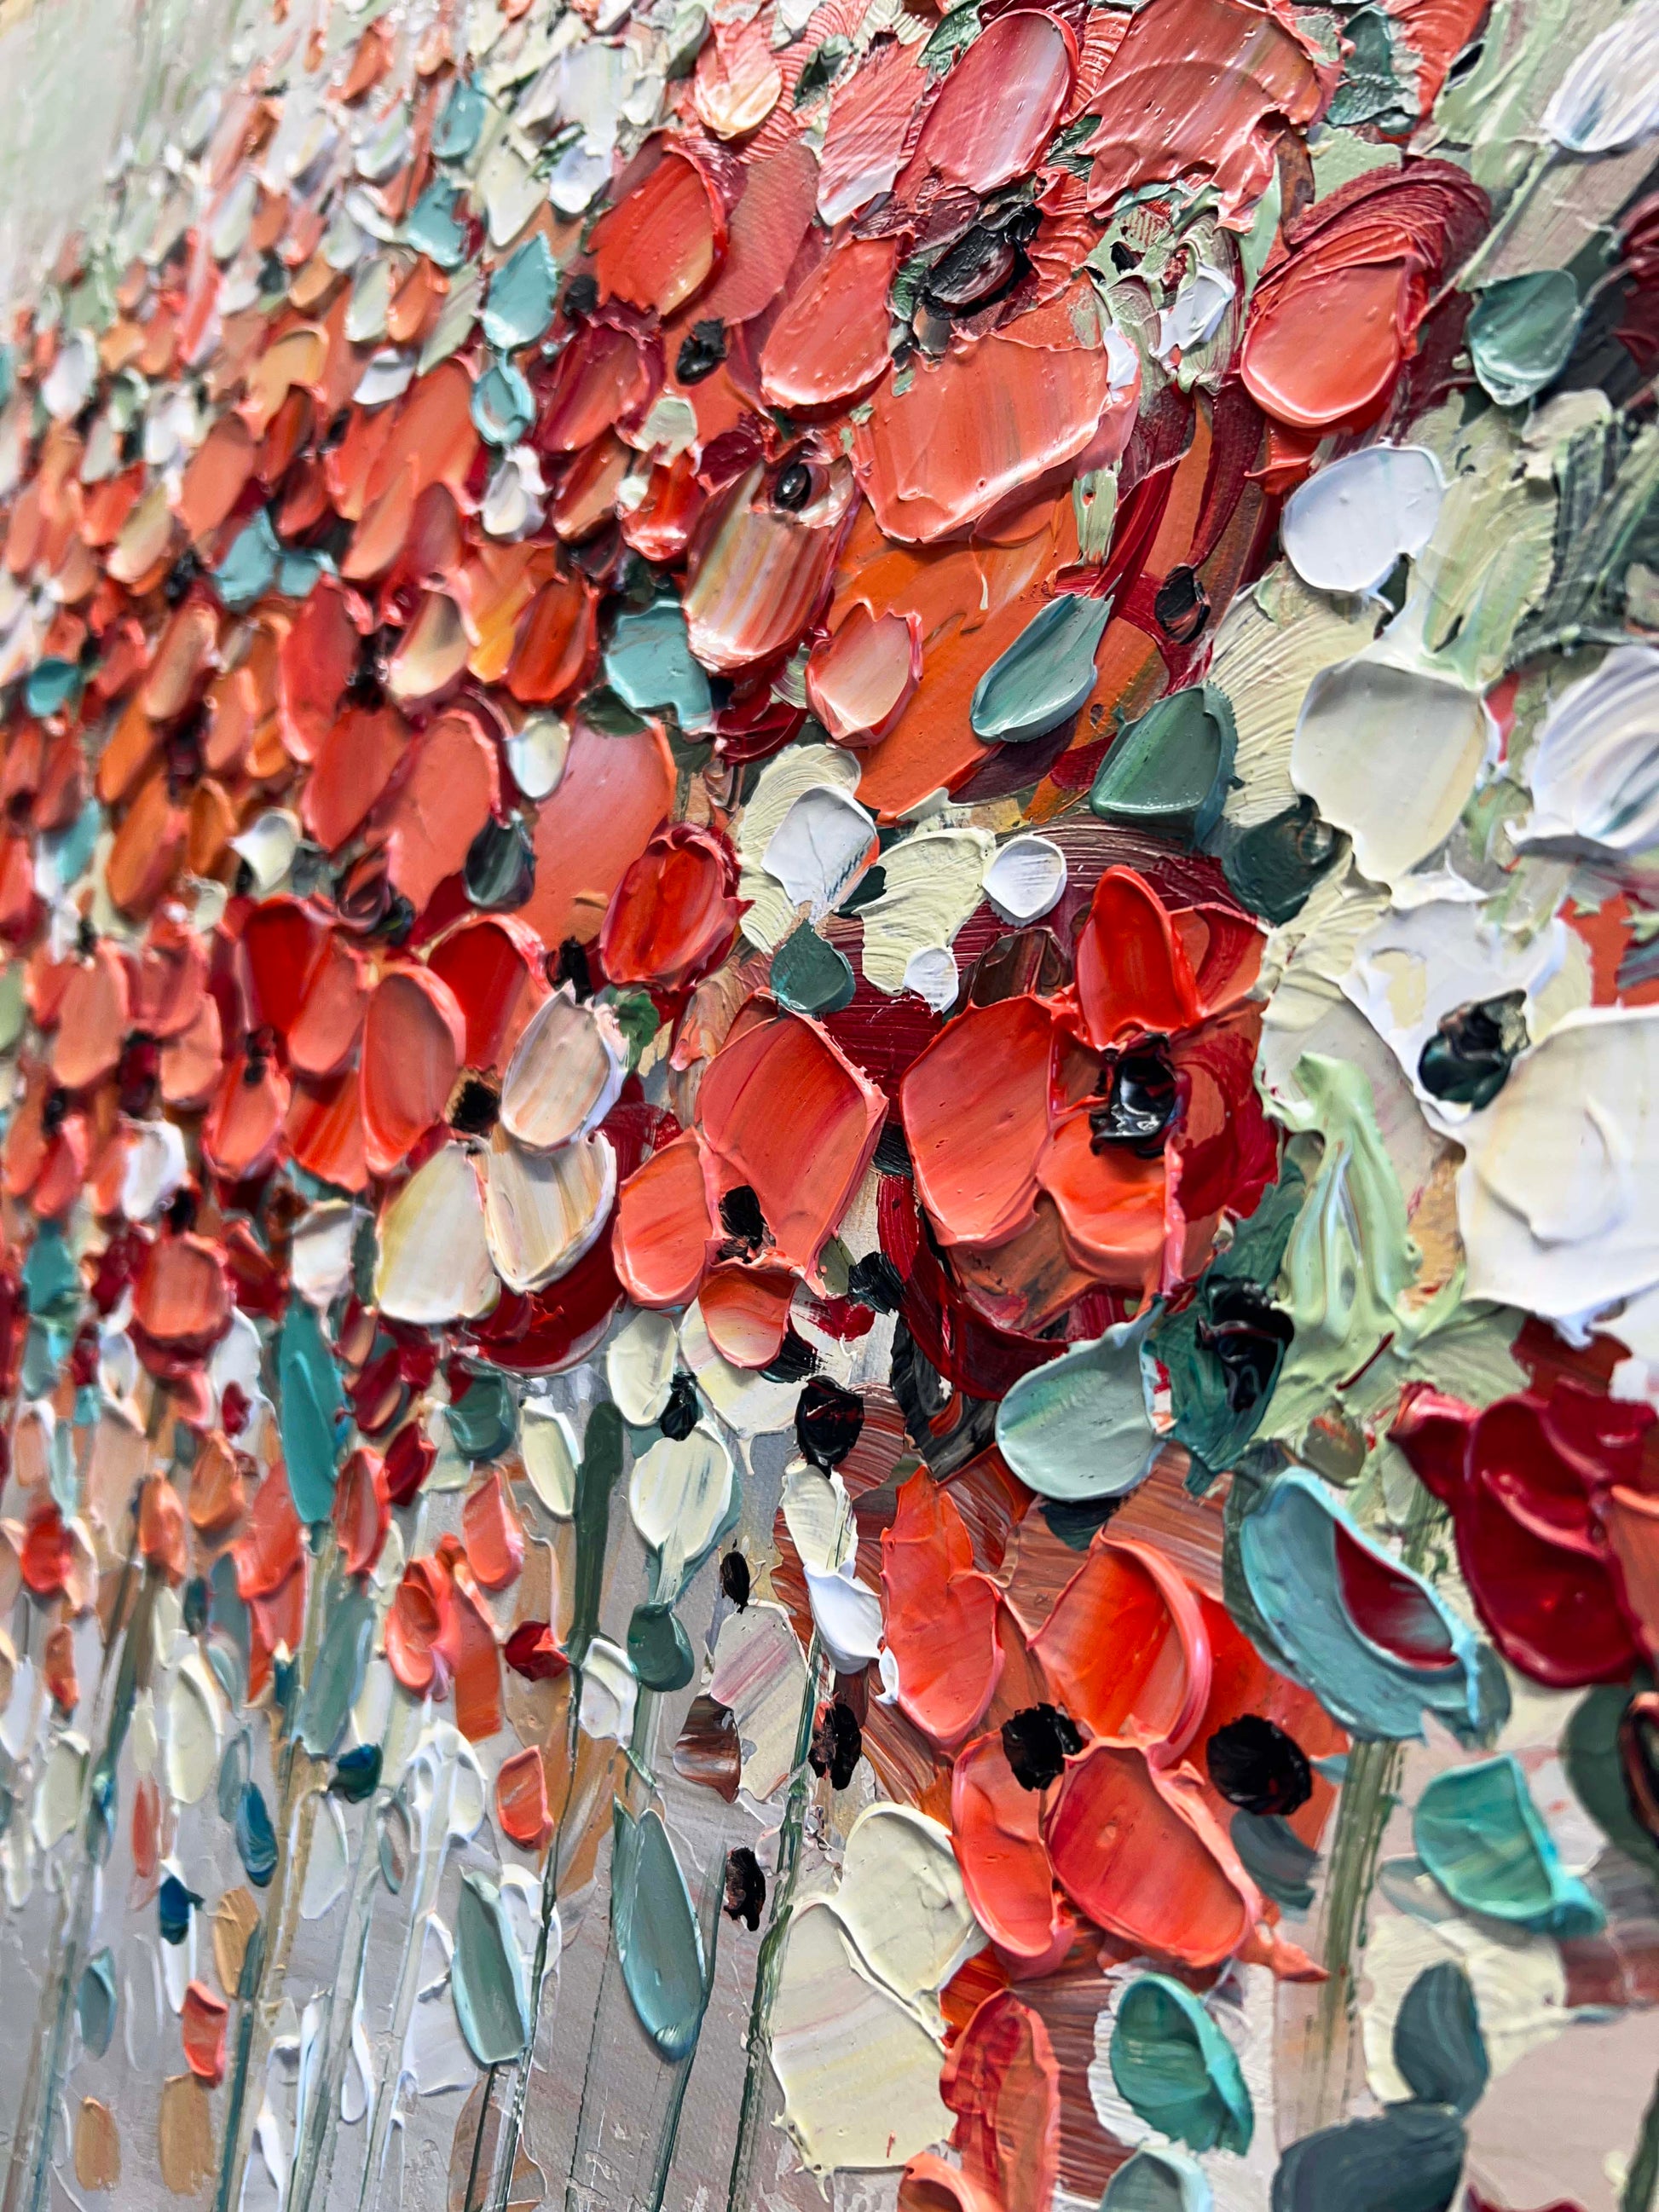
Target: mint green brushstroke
[
  {"x": 487, "y": 1976},
  {"x": 1481, "y": 1836},
  {"x": 312, "y": 1403},
  {"x": 658, "y": 1945},
  {"x": 1521, "y": 333}
]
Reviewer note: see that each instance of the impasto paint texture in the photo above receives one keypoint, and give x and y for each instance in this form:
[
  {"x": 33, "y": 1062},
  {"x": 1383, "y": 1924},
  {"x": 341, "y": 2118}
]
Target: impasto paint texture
[{"x": 830, "y": 1138}]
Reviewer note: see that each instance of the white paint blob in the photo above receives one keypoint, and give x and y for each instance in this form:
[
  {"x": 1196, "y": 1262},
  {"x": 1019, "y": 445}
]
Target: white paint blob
[
  {"x": 1347, "y": 525},
  {"x": 1025, "y": 879}
]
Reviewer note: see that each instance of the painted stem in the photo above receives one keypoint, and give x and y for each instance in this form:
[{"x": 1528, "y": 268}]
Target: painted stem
[
  {"x": 32, "y": 2146},
  {"x": 738, "y": 2195},
  {"x": 602, "y": 1444},
  {"x": 1642, "y": 2182}
]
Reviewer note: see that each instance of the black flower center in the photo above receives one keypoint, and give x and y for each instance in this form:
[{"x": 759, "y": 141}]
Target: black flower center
[
  {"x": 1257, "y": 1767},
  {"x": 1141, "y": 1099},
  {"x": 1037, "y": 1743}
]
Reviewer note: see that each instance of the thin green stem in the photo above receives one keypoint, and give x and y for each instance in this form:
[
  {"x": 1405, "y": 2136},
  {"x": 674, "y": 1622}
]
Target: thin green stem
[
  {"x": 738, "y": 2195},
  {"x": 1642, "y": 2182}
]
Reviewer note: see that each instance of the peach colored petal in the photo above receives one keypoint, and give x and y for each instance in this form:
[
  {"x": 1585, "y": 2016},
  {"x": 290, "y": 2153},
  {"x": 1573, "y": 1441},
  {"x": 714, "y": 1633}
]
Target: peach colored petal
[
  {"x": 976, "y": 1108},
  {"x": 664, "y": 1224},
  {"x": 1126, "y": 1647},
  {"x": 414, "y": 1036},
  {"x": 784, "y": 1111},
  {"x": 1138, "y": 1851}
]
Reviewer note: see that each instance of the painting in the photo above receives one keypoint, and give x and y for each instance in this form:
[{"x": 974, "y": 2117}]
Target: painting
[{"x": 830, "y": 1109}]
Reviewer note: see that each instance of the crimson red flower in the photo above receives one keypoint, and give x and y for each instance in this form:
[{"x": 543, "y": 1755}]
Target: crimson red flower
[{"x": 1557, "y": 1531}]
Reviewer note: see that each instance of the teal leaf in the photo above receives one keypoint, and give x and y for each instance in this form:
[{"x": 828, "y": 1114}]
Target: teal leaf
[
  {"x": 1176, "y": 2069},
  {"x": 1169, "y": 771},
  {"x": 659, "y": 1944},
  {"x": 487, "y": 1976},
  {"x": 249, "y": 568},
  {"x": 312, "y": 1408},
  {"x": 1439, "y": 2048},
  {"x": 1273, "y": 866},
  {"x": 1411, "y": 2160},
  {"x": 1521, "y": 333},
  {"x": 483, "y": 1418},
  {"x": 51, "y": 684},
  {"x": 596, "y": 1478},
  {"x": 461, "y": 122},
  {"x": 256, "y": 1839},
  {"x": 649, "y": 664},
  {"x": 95, "y": 2002},
  {"x": 337, "y": 1674},
  {"x": 1275, "y": 1858},
  {"x": 1596, "y": 1768},
  {"x": 502, "y": 408},
  {"x": 658, "y": 1649},
  {"x": 1045, "y": 676},
  {"x": 1481, "y": 1836},
  {"x": 1158, "y": 2180},
  {"x": 810, "y": 976},
  {"x": 1079, "y": 1428},
  {"x": 522, "y": 294},
  {"x": 435, "y": 229}
]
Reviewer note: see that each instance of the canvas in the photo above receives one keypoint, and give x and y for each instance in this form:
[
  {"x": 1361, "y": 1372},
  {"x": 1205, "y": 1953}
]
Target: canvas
[{"x": 830, "y": 1137}]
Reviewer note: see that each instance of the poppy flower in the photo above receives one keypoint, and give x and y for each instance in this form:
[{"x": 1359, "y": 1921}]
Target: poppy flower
[
  {"x": 736, "y": 1211},
  {"x": 1118, "y": 1676},
  {"x": 1554, "y": 1517},
  {"x": 1098, "y": 1136}
]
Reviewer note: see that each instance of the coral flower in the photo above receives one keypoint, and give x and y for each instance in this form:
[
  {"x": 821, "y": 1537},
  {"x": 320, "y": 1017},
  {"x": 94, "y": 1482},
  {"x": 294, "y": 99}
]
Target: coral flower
[{"x": 1096, "y": 1136}]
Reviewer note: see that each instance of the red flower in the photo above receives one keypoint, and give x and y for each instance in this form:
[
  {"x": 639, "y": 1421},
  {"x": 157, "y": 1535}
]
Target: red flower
[
  {"x": 1558, "y": 1531},
  {"x": 674, "y": 916},
  {"x": 736, "y": 1211},
  {"x": 1096, "y": 1137},
  {"x": 1367, "y": 260}
]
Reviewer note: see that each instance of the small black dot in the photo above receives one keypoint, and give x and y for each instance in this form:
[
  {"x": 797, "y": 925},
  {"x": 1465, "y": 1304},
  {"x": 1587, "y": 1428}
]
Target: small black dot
[
  {"x": 745, "y": 1888},
  {"x": 794, "y": 486},
  {"x": 1037, "y": 1743},
  {"x": 572, "y": 968},
  {"x": 734, "y": 1579},
  {"x": 679, "y": 1416},
  {"x": 837, "y": 1744},
  {"x": 477, "y": 1108},
  {"x": 1182, "y": 605},
  {"x": 701, "y": 350},
  {"x": 828, "y": 1420},
  {"x": 1257, "y": 1767}
]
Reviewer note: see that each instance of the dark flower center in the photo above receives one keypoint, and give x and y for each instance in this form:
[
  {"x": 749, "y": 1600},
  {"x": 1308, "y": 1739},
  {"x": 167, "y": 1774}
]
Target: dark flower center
[
  {"x": 1246, "y": 1335},
  {"x": 1467, "y": 1060},
  {"x": 1257, "y": 1767},
  {"x": 837, "y": 1743},
  {"x": 1141, "y": 1099},
  {"x": 1038, "y": 1742}
]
